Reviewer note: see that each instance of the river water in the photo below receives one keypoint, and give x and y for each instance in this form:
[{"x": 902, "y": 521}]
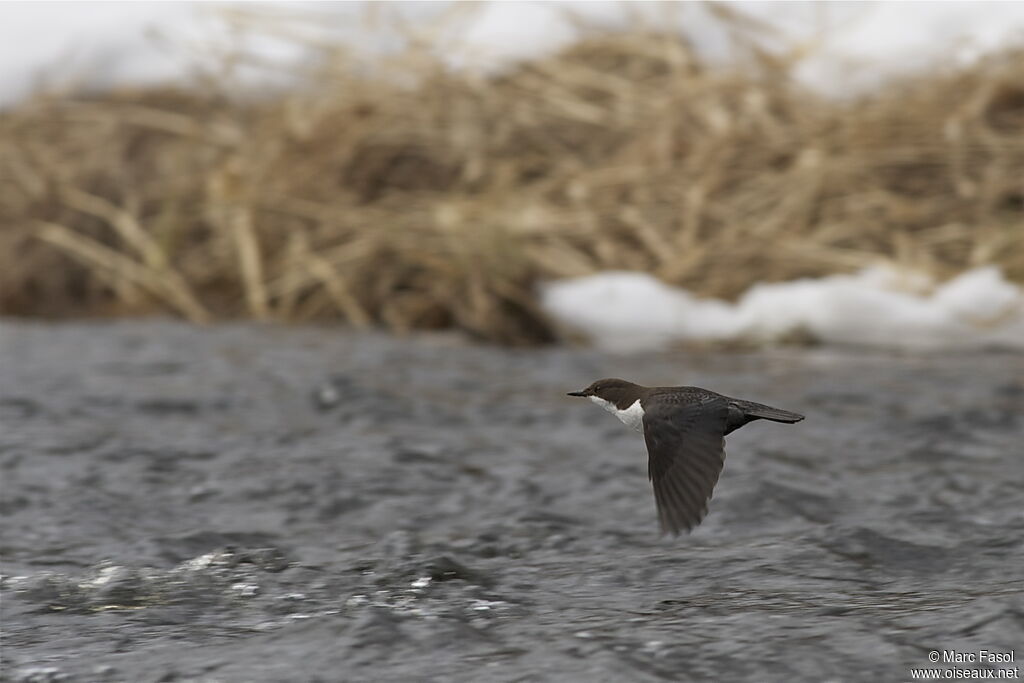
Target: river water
[{"x": 256, "y": 503}]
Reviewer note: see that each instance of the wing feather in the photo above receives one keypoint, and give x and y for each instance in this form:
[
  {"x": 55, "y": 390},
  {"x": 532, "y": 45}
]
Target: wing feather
[{"x": 686, "y": 451}]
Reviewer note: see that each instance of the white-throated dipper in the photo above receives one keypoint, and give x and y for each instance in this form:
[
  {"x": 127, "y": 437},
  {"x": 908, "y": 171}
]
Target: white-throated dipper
[{"x": 685, "y": 429}]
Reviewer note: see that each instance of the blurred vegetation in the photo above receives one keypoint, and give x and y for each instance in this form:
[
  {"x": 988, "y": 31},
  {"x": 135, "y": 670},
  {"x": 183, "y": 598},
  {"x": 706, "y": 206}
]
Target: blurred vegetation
[{"x": 405, "y": 193}]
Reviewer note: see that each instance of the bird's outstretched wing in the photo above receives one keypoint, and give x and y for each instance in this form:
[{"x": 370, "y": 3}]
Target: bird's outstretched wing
[{"x": 686, "y": 450}]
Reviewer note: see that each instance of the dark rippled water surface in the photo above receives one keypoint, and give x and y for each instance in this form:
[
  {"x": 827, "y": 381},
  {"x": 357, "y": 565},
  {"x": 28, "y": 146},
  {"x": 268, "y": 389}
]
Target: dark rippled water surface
[{"x": 242, "y": 503}]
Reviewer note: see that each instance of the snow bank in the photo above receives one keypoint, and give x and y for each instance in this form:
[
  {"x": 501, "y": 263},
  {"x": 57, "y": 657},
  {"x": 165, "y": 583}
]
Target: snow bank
[
  {"x": 878, "y": 307},
  {"x": 850, "y": 47}
]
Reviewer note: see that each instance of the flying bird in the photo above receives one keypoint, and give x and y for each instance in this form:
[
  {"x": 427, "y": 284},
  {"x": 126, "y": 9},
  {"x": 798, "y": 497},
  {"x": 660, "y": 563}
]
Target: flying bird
[{"x": 685, "y": 429}]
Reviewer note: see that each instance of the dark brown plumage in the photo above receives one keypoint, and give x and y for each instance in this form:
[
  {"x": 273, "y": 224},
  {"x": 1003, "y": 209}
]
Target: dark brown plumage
[{"x": 684, "y": 428}]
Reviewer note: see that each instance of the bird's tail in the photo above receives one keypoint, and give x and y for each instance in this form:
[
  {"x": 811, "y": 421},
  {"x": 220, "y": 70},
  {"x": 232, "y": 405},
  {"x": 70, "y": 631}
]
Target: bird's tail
[{"x": 764, "y": 412}]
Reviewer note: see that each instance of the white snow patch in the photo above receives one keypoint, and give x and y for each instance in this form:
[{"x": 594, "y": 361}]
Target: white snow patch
[
  {"x": 848, "y": 48},
  {"x": 877, "y": 307}
]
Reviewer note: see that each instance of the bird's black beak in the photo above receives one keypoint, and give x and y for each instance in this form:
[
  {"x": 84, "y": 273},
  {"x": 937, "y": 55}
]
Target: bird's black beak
[{"x": 577, "y": 393}]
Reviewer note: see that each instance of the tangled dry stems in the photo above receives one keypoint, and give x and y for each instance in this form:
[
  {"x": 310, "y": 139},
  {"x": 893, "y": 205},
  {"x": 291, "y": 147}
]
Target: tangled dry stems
[{"x": 413, "y": 195}]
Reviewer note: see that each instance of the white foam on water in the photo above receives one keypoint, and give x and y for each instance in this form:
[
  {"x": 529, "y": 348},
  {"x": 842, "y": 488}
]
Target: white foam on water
[{"x": 878, "y": 307}]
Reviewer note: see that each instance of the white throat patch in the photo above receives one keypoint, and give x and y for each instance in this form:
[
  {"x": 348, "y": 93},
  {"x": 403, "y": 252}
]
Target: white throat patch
[{"x": 632, "y": 416}]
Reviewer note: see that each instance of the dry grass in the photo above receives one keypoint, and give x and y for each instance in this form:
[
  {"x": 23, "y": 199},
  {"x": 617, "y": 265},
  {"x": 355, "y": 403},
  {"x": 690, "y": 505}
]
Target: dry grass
[{"x": 407, "y": 194}]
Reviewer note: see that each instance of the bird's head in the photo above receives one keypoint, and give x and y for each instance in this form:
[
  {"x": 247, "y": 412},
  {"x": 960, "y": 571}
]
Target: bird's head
[{"x": 614, "y": 391}]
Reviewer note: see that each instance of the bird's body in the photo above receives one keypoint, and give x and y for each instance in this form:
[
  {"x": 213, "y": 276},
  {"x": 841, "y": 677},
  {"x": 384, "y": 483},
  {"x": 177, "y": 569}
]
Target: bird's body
[{"x": 684, "y": 428}]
